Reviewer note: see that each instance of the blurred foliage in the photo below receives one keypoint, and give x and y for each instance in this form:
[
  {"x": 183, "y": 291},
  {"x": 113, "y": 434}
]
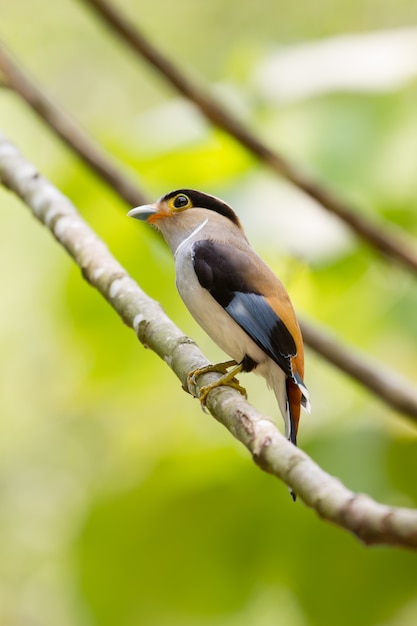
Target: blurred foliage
[{"x": 121, "y": 503}]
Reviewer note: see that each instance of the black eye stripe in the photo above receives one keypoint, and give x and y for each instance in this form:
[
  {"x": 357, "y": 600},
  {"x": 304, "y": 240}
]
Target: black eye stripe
[{"x": 201, "y": 200}]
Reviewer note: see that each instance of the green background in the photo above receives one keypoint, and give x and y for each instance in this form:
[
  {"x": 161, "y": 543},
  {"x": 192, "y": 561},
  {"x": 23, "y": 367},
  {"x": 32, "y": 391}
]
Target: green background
[{"x": 120, "y": 501}]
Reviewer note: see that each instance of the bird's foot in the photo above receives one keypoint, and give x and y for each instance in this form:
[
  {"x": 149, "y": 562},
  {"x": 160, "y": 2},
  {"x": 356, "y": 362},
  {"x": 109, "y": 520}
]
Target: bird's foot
[
  {"x": 228, "y": 378},
  {"x": 218, "y": 367}
]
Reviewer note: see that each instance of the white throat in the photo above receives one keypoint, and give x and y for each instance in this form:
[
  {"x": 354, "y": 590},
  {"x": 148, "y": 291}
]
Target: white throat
[{"x": 190, "y": 236}]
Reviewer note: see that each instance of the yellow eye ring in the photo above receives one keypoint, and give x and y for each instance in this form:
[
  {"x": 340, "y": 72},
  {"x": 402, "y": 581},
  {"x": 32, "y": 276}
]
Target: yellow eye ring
[{"x": 180, "y": 202}]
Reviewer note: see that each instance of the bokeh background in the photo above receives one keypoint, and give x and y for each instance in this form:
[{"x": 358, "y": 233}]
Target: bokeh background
[{"x": 120, "y": 501}]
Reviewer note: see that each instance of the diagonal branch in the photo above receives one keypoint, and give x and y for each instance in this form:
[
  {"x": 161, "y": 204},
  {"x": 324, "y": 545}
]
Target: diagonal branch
[
  {"x": 385, "y": 383},
  {"x": 371, "y": 522},
  {"x": 393, "y": 243},
  {"x": 68, "y": 130}
]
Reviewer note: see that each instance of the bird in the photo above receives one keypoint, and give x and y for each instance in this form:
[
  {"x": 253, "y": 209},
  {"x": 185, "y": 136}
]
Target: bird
[{"x": 234, "y": 296}]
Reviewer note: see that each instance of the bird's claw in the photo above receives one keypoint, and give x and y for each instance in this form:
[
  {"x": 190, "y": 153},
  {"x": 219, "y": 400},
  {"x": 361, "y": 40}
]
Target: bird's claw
[
  {"x": 219, "y": 367},
  {"x": 227, "y": 379},
  {"x": 192, "y": 378},
  {"x": 234, "y": 383}
]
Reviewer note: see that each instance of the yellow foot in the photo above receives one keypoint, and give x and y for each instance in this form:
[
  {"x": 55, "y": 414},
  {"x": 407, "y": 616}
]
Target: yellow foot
[
  {"x": 224, "y": 380},
  {"x": 228, "y": 378},
  {"x": 219, "y": 367}
]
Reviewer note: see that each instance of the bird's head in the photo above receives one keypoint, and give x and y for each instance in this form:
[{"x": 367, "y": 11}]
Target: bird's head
[{"x": 179, "y": 212}]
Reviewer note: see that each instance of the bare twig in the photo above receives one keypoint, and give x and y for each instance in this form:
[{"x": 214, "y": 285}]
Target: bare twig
[
  {"x": 68, "y": 130},
  {"x": 385, "y": 383},
  {"x": 393, "y": 243},
  {"x": 3, "y": 82},
  {"x": 371, "y": 522}
]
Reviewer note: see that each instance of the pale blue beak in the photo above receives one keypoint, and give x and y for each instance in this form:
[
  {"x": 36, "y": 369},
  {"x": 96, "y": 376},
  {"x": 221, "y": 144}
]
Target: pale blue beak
[{"x": 142, "y": 212}]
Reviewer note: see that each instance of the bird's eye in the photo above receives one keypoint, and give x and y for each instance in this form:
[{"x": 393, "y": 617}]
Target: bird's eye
[{"x": 181, "y": 201}]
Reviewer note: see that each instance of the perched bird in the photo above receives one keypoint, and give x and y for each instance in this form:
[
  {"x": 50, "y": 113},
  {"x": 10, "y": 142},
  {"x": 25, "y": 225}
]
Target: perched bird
[{"x": 234, "y": 296}]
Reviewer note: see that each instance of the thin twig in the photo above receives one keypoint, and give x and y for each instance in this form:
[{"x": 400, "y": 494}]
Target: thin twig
[
  {"x": 371, "y": 522},
  {"x": 385, "y": 383},
  {"x": 4, "y": 83},
  {"x": 68, "y": 130},
  {"x": 393, "y": 243}
]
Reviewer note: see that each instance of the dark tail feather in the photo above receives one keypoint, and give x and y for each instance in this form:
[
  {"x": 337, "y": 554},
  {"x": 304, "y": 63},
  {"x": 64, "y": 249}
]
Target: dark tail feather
[{"x": 292, "y": 435}]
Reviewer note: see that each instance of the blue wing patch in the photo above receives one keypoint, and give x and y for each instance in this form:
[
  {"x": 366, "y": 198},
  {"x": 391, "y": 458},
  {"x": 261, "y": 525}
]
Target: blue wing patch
[{"x": 253, "y": 313}]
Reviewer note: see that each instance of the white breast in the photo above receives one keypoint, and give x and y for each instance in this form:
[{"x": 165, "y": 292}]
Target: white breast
[{"x": 217, "y": 323}]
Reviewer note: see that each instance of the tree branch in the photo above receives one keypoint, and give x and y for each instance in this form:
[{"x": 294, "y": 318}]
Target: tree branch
[
  {"x": 394, "y": 244},
  {"x": 386, "y": 384},
  {"x": 68, "y": 130},
  {"x": 371, "y": 522}
]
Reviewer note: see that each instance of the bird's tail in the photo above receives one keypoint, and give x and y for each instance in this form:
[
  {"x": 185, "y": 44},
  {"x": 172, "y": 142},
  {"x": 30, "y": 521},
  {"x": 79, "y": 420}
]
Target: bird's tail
[
  {"x": 296, "y": 393},
  {"x": 290, "y": 393},
  {"x": 295, "y": 388},
  {"x": 291, "y": 421}
]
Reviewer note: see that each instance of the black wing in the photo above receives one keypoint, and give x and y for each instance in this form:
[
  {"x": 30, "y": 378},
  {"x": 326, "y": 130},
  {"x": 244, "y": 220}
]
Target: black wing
[{"x": 226, "y": 274}]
